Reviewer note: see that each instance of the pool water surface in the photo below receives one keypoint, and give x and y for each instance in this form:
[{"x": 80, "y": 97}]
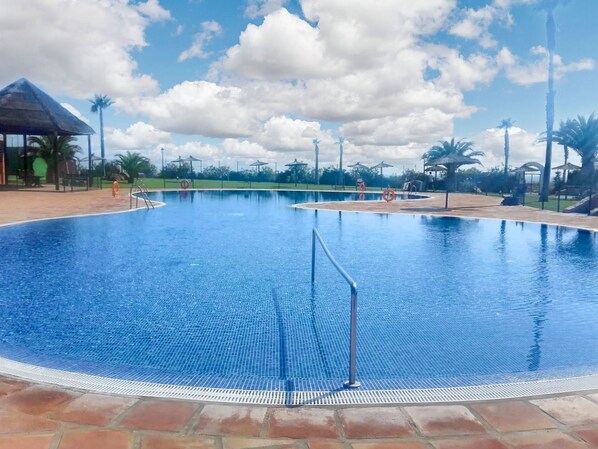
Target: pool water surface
[{"x": 214, "y": 290}]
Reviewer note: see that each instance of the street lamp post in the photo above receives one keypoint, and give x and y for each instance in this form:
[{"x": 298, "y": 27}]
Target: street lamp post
[
  {"x": 341, "y": 178},
  {"x": 163, "y": 177},
  {"x": 316, "y": 142}
]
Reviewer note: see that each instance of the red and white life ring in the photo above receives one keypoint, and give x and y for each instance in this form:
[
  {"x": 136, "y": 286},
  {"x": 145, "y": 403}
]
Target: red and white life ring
[
  {"x": 389, "y": 195},
  {"x": 185, "y": 184}
]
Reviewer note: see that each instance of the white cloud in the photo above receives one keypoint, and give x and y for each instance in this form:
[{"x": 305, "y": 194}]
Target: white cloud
[
  {"x": 415, "y": 127},
  {"x": 459, "y": 72},
  {"x": 208, "y": 31},
  {"x": 138, "y": 136},
  {"x": 524, "y": 146},
  {"x": 153, "y": 10},
  {"x": 354, "y": 63},
  {"x": 283, "y": 47},
  {"x": 256, "y": 8},
  {"x": 475, "y": 24},
  {"x": 199, "y": 107},
  {"x": 86, "y": 50},
  {"x": 537, "y": 71},
  {"x": 284, "y": 134}
]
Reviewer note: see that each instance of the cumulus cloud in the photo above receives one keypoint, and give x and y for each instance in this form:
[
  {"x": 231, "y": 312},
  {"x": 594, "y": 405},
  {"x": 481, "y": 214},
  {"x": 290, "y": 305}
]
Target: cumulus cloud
[
  {"x": 348, "y": 63},
  {"x": 283, "y": 47},
  {"x": 199, "y": 107},
  {"x": 256, "y": 8},
  {"x": 138, "y": 136},
  {"x": 475, "y": 23},
  {"x": 288, "y": 135},
  {"x": 85, "y": 51},
  {"x": 397, "y": 131},
  {"x": 524, "y": 147},
  {"x": 208, "y": 31},
  {"x": 153, "y": 10},
  {"x": 536, "y": 71}
]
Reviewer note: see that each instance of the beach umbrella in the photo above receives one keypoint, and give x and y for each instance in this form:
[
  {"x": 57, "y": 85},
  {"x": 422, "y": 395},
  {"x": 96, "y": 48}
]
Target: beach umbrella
[
  {"x": 381, "y": 166},
  {"x": 191, "y": 159},
  {"x": 259, "y": 164},
  {"x": 435, "y": 168},
  {"x": 358, "y": 166},
  {"x": 179, "y": 160},
  {"x": 294, "y": 165},
  {"x": 451, "y": 162},
  {"x": 567, "y": 166},
  {"x": 93, "y": 158},
  {"x": 566, "y": 169}
]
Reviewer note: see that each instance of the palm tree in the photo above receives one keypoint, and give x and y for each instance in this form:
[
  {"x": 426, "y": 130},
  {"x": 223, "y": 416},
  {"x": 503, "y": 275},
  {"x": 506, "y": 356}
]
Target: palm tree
[
  {"x": 462, "y": 148},
  {"x": 98, "y": 104},
  {"x": 65, "y": 145},
  {"x": 581, "y": 135},
  {"x": 133, "y": 164},
  {"x": 506, "y": 124},
  {"x": 549, "y": 6}
]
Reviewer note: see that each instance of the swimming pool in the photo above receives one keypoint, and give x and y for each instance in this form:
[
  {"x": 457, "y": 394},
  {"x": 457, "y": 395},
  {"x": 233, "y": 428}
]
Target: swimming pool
[{"x": 214, "y": 290}]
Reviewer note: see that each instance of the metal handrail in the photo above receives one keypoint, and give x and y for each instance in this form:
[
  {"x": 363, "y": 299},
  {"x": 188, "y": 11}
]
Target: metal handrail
[
  {"x": 141, "y": 189},
  {"x": 351, "y": 383}
]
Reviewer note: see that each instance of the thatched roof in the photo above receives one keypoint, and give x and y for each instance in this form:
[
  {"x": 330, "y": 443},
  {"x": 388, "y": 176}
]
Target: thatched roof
[{"x": 26, "y": 109}]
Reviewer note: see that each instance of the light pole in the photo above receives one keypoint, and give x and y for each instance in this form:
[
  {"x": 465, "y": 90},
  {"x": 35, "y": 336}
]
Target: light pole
[
  {"x": 316, "y": 142},
  {"x": 341, "y": 178},
  {"x": 163, "y": 177}
]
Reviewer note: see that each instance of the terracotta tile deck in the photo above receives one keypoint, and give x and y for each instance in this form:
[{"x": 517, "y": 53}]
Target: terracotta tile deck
[{"x": 34, "y": 416}]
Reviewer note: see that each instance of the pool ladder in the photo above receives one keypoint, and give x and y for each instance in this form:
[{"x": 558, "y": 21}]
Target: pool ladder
[
  {"x": 351, "y": 383},
  {"x": 138, "y": 189}
]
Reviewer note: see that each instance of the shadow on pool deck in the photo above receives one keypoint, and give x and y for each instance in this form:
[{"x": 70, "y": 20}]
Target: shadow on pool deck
[{"x": 36, "y": 416}]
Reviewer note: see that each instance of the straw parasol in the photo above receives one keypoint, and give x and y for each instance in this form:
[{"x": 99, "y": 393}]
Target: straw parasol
[
  {"x": 451, "y": 162},
  {"x": 295, "y": 164},
  {"x": 191, "y": 159},
  {"x": 381, "y": 166},
  {"x": 259, "y": 164}
]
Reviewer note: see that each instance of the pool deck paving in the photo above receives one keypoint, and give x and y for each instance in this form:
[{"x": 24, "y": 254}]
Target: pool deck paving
[{"x": 39, "y": 416}]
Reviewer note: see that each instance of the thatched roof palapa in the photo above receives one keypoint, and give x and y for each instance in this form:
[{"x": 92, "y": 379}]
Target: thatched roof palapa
[{"x": 27, "y": 110}]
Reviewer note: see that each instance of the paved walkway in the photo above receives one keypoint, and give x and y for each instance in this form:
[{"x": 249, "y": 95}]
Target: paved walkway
[{"x": 36, "y": 416}]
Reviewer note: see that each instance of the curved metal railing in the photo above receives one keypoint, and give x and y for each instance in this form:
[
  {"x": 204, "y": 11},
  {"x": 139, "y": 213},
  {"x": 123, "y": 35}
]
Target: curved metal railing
[{"x": 352, "y": 383}]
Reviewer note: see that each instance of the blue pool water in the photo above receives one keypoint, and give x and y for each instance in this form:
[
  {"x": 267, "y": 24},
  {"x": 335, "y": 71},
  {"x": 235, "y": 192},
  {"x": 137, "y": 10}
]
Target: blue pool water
[{"x": 214, "y": 289}]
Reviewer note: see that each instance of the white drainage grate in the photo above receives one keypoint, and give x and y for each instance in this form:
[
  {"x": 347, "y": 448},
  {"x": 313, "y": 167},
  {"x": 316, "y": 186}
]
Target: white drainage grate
[{"x": 269, "y": 397}]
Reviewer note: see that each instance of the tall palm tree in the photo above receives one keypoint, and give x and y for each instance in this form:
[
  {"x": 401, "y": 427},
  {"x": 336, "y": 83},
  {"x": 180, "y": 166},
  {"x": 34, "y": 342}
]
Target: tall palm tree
[
  {"x": 581, "y": 135},
  {"x": 506, "y": 124},
  {"x": 549, "y": 6},
  {"x": 133, "y": 164},
  {"x": 463, "y": 148},
  {"x": 98, "y": 104}
]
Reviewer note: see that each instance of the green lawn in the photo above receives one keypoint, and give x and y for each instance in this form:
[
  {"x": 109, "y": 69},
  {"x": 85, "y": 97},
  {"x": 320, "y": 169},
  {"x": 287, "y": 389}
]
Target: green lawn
[{"x": 551, "y": 204}]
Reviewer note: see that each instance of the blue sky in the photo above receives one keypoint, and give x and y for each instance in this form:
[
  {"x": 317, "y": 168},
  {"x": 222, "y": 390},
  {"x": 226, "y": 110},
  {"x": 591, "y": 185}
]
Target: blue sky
[{"x": 233, "y": 81}]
